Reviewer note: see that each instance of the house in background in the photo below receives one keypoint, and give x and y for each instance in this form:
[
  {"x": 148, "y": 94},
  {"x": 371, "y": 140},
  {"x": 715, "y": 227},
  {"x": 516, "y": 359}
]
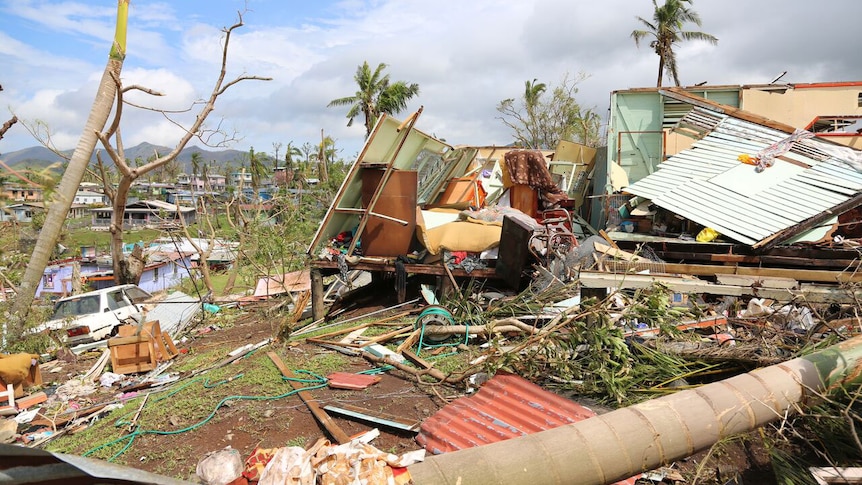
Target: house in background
[
  {"x": 57, "y": 279},
  {"x": 22, "y": 194},
  {"x": 87, "y": 197},
  {"x": 215, "y": 183},
  {"x": 145, "y": 213},
  {"x": 163, "y": 270},
  {"x": 22, "y": 212},
  {"x": 237, "y": 178}
]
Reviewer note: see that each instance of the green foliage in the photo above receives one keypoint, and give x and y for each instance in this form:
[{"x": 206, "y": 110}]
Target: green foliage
[
  {"x": 541, "y": 122},
  {"x": 375, "y": 95},
  {"x": 652, "y": 306},
  {"x": 588, "y": 351},
  {"x": 666, "y": 30},
  {"x": 33, "y": 343}
]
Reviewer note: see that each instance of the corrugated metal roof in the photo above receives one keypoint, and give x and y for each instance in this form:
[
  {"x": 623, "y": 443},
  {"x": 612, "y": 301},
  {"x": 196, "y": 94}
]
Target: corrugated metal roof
[
  {"x": 745, "y": 205},
  {"x": 507, "y": 406},
  {"x": 175, "y": 312}
]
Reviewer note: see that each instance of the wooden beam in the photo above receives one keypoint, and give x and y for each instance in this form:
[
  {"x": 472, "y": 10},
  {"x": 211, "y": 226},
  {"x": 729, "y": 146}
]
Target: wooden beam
[
  {"x": 810, "y": 294},
  {"x": 798, "y": 261},
  {"x": 383, "y": 266},
  {"x": 812, "y": 275},
  {"x": 324, "y": 419},
  {"x": 318, "y": 311}
]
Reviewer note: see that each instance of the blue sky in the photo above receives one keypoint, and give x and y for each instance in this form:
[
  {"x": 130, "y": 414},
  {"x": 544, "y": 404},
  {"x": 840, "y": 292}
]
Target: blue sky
[{"x": 466, "y": 56}]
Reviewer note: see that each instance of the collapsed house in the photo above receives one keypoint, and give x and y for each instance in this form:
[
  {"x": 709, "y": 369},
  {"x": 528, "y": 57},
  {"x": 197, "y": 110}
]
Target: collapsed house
[
  {"x": 752, "y": 202},
  {"x": 411, "y": 203}
]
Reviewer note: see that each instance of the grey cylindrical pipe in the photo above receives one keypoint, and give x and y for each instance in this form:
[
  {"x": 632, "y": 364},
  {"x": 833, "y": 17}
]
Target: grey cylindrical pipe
[{"x": 645, "y": 436}]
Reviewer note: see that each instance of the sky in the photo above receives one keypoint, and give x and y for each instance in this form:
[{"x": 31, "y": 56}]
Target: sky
[{"x": 466, "y": 56}]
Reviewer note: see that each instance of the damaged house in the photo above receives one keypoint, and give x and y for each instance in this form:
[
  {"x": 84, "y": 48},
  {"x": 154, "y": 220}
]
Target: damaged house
[
  {"x": 411, "y": 203},
  {"x": 748, "y": 199},
  {"x": 768, "y": 198}
]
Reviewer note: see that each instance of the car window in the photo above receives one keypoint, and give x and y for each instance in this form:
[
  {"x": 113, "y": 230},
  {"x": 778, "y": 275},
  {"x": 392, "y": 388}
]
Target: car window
[
  {"x": 84, "y": 305},
  {"x": 136, "y": 294},
  {"x": 116, "y": 300}
]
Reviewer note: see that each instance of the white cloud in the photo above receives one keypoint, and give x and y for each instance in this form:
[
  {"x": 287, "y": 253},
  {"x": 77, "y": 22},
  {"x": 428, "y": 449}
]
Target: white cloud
[{"x": 465, "y": 55}]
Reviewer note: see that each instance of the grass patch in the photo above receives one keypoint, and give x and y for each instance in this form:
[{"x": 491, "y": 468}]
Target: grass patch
[
  {"x": 448, "y": 363},
  {"x": 199, "y": 360},
  {"x": 93, "y": 436},
  {"x": 102, "y": 239},
  {"x": 300, "y": 441},
  {"x": 321, "y": 364}
]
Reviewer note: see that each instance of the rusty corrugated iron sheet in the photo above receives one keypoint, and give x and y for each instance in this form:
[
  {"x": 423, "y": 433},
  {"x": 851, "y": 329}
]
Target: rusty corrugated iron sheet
[{"x": 507, "y": 406}]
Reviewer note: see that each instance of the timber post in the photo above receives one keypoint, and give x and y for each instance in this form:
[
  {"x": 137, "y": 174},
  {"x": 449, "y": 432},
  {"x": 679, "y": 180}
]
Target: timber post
[{"x": 317, "y": 309}]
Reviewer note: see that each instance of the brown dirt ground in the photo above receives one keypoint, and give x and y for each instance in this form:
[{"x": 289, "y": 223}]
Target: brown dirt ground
[{"x": 245, "y": 425}]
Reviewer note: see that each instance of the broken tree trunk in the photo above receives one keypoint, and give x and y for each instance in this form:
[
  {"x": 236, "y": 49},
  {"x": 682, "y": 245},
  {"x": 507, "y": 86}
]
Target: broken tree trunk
[{"x": 631, "y": 440}]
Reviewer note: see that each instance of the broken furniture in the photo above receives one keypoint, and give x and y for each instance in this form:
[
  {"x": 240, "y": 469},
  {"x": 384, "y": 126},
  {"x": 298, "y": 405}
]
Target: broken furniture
[{"x": 140, "y": 349}]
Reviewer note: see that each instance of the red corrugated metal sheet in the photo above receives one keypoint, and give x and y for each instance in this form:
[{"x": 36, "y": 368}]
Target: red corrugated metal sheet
[
  {"x": 507, "y": 406},
  {"x": 346, "y": 380}
]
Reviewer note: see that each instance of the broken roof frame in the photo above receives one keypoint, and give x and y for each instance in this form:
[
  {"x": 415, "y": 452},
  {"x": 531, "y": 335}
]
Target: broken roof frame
[
  {"x": 820, "y": 183},
  {"x": 401, "y": 146}
]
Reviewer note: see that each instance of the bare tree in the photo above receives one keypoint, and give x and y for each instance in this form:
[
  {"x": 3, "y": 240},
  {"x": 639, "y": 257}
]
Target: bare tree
[
  {"x": 540, "y": 121},
  {"x": 129, "y": 174}
]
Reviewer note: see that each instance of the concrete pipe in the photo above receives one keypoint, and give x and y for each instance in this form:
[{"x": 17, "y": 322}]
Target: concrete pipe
[{"x": 645, "y": 436}]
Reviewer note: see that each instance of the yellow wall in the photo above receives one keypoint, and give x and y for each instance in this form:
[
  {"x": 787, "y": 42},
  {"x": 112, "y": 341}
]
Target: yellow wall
[{"x": 798, "y": 107}]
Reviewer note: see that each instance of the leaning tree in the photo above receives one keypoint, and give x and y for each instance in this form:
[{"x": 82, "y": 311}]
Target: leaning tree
[
  {"x": 61, "y": 201},
  {"x": 111, "y": 88}
]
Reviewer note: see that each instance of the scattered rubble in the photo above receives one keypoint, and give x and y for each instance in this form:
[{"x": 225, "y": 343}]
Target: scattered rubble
[{"x": 475, "y": 281}]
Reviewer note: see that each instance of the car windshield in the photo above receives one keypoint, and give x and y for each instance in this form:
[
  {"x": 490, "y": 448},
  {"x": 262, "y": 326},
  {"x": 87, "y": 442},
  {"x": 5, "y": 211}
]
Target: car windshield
[{"x": 84, "y": 305}]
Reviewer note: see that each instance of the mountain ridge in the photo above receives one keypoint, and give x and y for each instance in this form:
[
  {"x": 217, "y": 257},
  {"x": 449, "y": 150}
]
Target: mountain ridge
[{"x": 39, "y": 157}]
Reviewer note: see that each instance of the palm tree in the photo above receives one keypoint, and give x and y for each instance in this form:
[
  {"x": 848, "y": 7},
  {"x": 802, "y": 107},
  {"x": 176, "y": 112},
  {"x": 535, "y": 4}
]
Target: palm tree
[
  {"x": 666, "y": 29},
  {"x": 376, "y": 95},
  {"x": 532, "y": 92},
  {"x": 258, "y": 172},
  {"x": 196, "y": 166},
  {"x": 59, "y": 207}
]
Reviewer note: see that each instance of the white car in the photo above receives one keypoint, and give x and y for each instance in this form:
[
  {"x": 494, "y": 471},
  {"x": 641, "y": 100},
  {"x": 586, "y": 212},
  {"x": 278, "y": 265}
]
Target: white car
[{"x": 93, "y": 316}]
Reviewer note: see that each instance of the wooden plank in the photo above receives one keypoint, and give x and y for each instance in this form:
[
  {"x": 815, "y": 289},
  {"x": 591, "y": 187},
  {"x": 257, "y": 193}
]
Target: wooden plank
[
  {"x": 322, "y": 417},
  {"x": 618, "y": 253},
  {"x": 764, "y": 282},
  {"x": 608, "y": 239},
  {"x": 67, "y": 417},
  {"x": 812, "y": 275},
  {"x": 811, "y": 294},
  {"x": 825, "y": 262},
  {"x": 383, "y": 266},
  {"x": 318, "y": 310},
  {"x": 807, "y": 224}
]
